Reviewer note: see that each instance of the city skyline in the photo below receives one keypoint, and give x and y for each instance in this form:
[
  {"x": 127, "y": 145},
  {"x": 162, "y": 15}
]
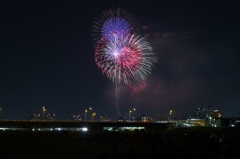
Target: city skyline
[
  {"x": 47, "y": 58},
  {"x": 132, "y": 113}
]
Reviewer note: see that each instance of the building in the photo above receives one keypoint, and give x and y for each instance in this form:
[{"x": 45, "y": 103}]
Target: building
[
  {"x": 206, "y": 112},
  {"x": 50, "y": 116},
  {"x": 216, "y": 114},
  {"x": 104, "y": 118},
  {"x": 211, "y": 115},
  {"x": 34, "y": 116},
  {"x": 74, "y": 116}
]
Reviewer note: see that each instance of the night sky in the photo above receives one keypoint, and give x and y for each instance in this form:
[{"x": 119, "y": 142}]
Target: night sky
[{"x": 47, "y": 58}]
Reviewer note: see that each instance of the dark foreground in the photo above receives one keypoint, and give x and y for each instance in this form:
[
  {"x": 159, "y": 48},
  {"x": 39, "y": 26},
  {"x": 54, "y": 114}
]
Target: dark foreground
[{"x": 186, "y": 143}]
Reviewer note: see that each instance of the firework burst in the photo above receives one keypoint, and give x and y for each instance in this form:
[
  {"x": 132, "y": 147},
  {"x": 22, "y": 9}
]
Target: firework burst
[
  {"x": 114, "y": 22},
  {"x": 125, "y": 58},
  {"x": 120, "y": 53}
]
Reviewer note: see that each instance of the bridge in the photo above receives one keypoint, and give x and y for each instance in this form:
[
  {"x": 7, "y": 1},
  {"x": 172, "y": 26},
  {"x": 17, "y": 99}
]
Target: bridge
[{"x": 79, "y": 125}]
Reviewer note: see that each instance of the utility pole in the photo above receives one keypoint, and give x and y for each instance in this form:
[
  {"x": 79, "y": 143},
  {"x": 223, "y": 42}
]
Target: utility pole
[{"x": 85, "y": 115}]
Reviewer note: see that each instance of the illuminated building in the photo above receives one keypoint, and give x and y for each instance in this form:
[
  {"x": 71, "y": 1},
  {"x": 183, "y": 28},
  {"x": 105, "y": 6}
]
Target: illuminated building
[
  {"x": 104, "y": 118},
  {"x": 50, "y": 116},
  {"x": 75, "y": 116},
  {"x": 34, "y": 116},
  {"x": 206, "y": 112},
  {"x": 216, "y": 113}
]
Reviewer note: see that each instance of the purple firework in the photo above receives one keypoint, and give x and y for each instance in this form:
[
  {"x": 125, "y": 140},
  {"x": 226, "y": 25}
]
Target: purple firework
[
  {"x": 115, "y": 26},
  {"x": 114, "y": 22}
]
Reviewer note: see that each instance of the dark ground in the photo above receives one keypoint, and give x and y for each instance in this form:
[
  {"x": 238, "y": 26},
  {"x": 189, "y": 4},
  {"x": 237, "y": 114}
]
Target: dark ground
[{"x": 184, "y": 143}]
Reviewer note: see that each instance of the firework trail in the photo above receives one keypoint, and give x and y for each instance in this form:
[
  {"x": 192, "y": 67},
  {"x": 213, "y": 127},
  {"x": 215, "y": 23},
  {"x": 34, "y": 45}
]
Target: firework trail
[{"x": 120, "y": 52}]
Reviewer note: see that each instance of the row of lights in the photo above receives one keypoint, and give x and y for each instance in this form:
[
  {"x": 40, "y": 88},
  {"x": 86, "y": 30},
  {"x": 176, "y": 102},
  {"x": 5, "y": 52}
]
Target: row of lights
[
  {"x": 90, "y": 109},
  {"x": 94, "y": 114},
  {"x": 59, "y": 129}
]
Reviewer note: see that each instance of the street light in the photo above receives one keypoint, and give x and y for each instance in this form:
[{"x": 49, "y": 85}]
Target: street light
[
  {"x": 90, "y": 109},
  {"x": 85, "y": 114},
  {"x": 134, "y": 109},
  {"x": 44, "y": 110},
  {"x": 170, "y": 114},
  {"x": 93, "y": 115},
  {"x": 129, "y": 114}
]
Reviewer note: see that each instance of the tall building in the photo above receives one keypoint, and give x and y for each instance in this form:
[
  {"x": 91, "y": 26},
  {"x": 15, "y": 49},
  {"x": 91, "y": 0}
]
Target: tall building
[
  {"x": 206, "y": 112},
  {"x": 198, "y": 113}
]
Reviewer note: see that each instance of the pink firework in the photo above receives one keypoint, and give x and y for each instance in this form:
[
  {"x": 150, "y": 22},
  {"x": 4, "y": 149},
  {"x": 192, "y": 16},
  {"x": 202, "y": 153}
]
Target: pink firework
[{"x": 125, "y": 59}]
